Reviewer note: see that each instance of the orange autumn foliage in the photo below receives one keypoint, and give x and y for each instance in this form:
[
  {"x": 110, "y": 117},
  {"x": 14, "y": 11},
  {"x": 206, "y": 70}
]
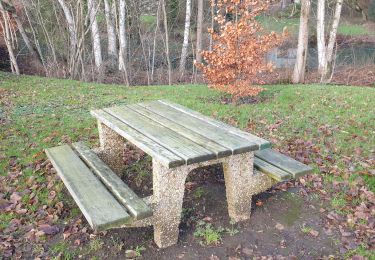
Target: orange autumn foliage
[{"x": 239, "y": 48}]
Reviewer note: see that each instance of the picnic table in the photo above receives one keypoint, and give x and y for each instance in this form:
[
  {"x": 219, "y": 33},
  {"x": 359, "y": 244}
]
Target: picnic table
[{"x": 179, "y": 140}]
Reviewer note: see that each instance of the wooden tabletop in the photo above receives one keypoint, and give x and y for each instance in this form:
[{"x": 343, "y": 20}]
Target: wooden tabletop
[{"x": 175, "y": 135}]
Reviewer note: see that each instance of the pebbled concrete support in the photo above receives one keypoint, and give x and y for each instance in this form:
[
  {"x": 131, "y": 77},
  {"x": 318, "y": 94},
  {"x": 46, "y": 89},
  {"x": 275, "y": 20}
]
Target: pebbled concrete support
[
  {"x": 169, "y": 187},
  {"x": 238, "y": 175},
  {"x": 112, "y": 147}
]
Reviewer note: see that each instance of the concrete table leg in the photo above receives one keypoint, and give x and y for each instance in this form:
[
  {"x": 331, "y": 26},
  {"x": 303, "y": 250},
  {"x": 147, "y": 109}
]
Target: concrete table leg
[
  {"x": 169, "y": 187},
  {"x": 112, "y": 147},
  {"x": 239, "y": 178}
]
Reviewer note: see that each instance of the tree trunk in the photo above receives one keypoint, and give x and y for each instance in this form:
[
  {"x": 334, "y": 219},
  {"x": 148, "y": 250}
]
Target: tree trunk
[
  {"x": 122, "y": 40},
  {"x": 165, "y": 20},
  {"x": 185, "y": 44},
  {"x": 72, "y": 36},
  {"x": 283, "y": 4},
  {"x": 111, "y": 32},
  {"x": 212, "y": 9},
  {"x": 199, "y": 31},
  {"x": 299, "y": 67},
  {"x": 328, "y": 70},
  {"x": 320, "y": 34},
  {"x": 24, "y": 35},
  {"x": 5, "y": 26},
  {"x": 95, "y": 34},
  {"x": 154, "y": 43}
]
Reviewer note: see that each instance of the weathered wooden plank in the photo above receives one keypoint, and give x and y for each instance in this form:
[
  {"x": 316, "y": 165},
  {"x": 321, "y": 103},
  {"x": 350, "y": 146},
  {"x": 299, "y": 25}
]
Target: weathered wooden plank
[
  {"x": 183, "y": 147},
  {"x": 221, "y": 136},
  {"x": 135, "y": 205},
  {"x": 262, "y": 143},
  {"x": 270, "y": 170},
  {"x": 283, "y": 162},
  {"x": 99, "y": 207},
  {"x": 204, "y": 141},
  {"x": 149, "y": 146}
]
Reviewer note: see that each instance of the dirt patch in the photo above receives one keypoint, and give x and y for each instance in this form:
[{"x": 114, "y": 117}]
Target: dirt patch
[{"x": 283, "y": 223}]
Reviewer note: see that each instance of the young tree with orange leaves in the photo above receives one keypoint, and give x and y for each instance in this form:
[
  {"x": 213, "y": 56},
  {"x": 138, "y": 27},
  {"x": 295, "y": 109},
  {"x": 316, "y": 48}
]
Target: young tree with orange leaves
[{"x": 239, "y": 48}]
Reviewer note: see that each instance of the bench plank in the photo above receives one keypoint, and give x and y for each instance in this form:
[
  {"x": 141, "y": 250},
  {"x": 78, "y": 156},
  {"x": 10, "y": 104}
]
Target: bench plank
[
  {"x": 262, "y": 143},
  {"x": 221, "y": 136},
  {"x": 283, "y": 162},
  {"x": 99, "y": 207},
  {"x": 183, "y": 147},
  {"x": 135, "y": 205},
  {"x": 270, "y": 170},
  {"x": 149, "y": 146},
  {"x": 204, "y": 141}
]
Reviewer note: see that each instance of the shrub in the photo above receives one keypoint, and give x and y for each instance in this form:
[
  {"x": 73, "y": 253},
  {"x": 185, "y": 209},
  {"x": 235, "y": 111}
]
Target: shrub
[{"x": 239, "y": 48}]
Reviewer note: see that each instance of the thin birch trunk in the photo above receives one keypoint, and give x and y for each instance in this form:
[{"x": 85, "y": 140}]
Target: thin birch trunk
[
  {"x": 320, "y": 34},
  {"x": 24, "y": 35},
  {"x": 299, "y": 67},
  {"x": 167, "y": 42},
  {"x": 122, "y": 40},
  {"x": 36, "y": 41},
  {"x": 5, "y": 25},
  {"x": 328, "y": 70},
  {"x": 199, "y": 31},
  {"x": 154, "y": 45},
  {"x": 95, "y": 35},
  {"x": 111, "y": 31},
  {"x": 185, "y": 44},
  {"x": 212, "y": 23},
  {"x": 72, "y": 36}
]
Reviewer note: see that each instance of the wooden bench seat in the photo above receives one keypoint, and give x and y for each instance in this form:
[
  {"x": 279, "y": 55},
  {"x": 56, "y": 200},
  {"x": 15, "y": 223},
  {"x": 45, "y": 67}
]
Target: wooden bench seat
[
  {"x": 104, "y": 199},
  {"x": 279, "y": 166}
]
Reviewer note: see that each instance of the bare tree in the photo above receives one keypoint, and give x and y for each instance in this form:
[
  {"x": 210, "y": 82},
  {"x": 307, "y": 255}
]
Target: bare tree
[
  {"x": 123, "y": 41},
  {"x": 5, "y": 24},
  {"x": 154, "y": 43},
  {"x": 95, "y": 34},
  {"x": 10, "y": 6},
  {"x": 165, "y": 20},
  {"x": 111, "y": 30},
  {"x": 185, "y": 44},
  {"x": 325, "y": 52},
  {"x": 199, "y": 31},
  {"x": 300, "y": 65},
  {"x": 73, "y": 37},
  {"x": 320, "y": 35}
]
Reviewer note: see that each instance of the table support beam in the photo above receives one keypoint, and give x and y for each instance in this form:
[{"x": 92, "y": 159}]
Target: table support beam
[
  {"x": 169, "y": 187},
  {"x": 238, "y": 175},
  {"x": 112, "y": 146}
]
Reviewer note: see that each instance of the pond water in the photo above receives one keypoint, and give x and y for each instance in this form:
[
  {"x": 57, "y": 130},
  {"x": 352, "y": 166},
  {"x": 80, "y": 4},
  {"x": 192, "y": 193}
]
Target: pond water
[{"x": 350, "y": 55}]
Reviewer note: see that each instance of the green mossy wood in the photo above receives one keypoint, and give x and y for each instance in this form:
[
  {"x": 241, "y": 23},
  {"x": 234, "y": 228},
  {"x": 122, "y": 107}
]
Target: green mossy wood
[
  {"x": 262, "y": 143},
  {"x": 137, "y": 208},
  {"x": 97, "y": 204},
  {"x": 175, "y": 135},
  {"x": 282, "y": 162},
  {"x": 104, "y": 199},
  {"x": 272, "y": 171},
  {"x": 148, "y": 145}
]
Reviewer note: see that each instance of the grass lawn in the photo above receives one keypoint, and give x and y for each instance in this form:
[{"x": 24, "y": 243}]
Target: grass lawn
[{"x": 330, "y": 127}]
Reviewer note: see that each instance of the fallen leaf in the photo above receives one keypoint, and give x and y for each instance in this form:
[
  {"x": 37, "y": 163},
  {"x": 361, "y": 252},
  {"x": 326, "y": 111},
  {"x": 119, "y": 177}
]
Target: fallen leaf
[
  {"x": 314, "y": 233},
  {"x": 49, "y": 230},
  {"x": 130, "y": 254},
  {"x": 15, "y": 197},
  {"x": 279, "y": 226}
]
